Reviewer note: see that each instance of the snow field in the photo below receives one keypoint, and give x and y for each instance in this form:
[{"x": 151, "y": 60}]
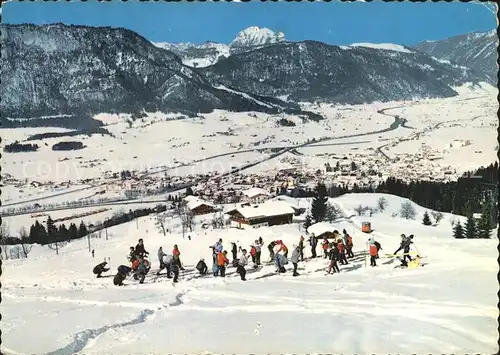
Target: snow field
[
  {"x": 447, "y": 306},
  {"x": 152, "y": 141}
]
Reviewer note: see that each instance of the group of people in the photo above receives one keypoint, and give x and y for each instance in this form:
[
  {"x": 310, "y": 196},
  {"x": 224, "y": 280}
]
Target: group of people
[{"x": 338, "y": 250}]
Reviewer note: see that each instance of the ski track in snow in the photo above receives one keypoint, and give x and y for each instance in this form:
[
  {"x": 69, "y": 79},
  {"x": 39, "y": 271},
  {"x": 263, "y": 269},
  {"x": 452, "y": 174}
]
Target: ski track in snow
[{"x": 83, "y": 339}]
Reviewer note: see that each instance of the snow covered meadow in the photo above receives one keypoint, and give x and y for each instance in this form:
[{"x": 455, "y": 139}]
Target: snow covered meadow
[{"x": 447, "y": 306}]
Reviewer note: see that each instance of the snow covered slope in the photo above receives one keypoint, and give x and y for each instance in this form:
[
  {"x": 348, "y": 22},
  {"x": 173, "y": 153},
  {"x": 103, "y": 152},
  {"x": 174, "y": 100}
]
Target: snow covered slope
[{"x": 447, "y": 306}]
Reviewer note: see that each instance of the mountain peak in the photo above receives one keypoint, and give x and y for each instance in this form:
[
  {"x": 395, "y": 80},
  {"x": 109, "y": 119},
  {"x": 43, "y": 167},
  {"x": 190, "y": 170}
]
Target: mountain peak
[{"x": 256, "y": 36}]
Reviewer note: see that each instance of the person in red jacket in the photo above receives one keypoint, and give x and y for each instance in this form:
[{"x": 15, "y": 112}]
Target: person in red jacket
[
  {"x": 324, "y": 244},
  {"x": 341, "y": 248},
  {"x": 222, "y": 261},
  {"x": 176, "y": 253},
  {"x": 373, "y": 253}
]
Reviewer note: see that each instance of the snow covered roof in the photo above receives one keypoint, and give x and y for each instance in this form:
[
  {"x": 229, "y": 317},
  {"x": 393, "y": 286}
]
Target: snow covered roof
[
  {"x": 266, "y": 209},
  {"x": 196, "y": 202},
  {"x": 320, "y": 228},
  {"x": 255, "y": 191},
  {"x": 190, "y": 198}
]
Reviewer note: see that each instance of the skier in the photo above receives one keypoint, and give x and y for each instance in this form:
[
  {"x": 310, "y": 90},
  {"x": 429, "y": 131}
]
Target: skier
[
  {"x": 100, "y": 268},
  {"x": 258, "y": 250},
  {"x": 301, "y": 248},
  {"x": 92, "y": 252},
  {"x": 314, "y": 242},
  {"x": 142, "y": 270},
  {"x": 202, "y": 267},
  {"x": 295, "y": 259},
  {"x": 282, "y": 248},
  {"x": 161, "y": 254},
  {"x": 123, "y": 272},
  {"x": 242, "y": 262},
  {"x": 324, "y": 245},
  {"x": 222, "y": 262},
  {"x": 175, "y": 265},
  {"x": 234, "y": 251},
  {"x": 132, "y": 255},
  {"x": 405, "y": 245},
  {"x": 341, "y": 248},
  {"x": 373, "y": 252},
  {"x": 253, "y": 252},
  {"x": 140, "y": 250},
  {"x": 348, "y": 244},
  {"x": 333, "y": 255},
  {"x": 280, "y": 258},
  {"x": 270, "y": 247},
  {"x": 176, "y": 252},
  {"x": 165, "y": 264}
]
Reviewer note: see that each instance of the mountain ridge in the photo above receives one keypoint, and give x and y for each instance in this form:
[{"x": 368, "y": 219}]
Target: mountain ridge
[{"x": 60, "y": 69}]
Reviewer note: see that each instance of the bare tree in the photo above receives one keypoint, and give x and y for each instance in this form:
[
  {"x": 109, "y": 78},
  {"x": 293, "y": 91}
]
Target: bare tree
[
  {"x": 382, "y": 204},
  {"x": 25, "y": 242},
  {"x": 360, "y": 210},
  {"x": 219, "y": 221},
  {"x": 186, "y": 216},
  {"x": 371, "y": 211},
  {"x": 407, "y": 211},
  {"x": 438, "y": 216},
  {"x": 15, "y": 252},
  {"x": 160, "y": 221},
  {"x": 4, "y": 237}
]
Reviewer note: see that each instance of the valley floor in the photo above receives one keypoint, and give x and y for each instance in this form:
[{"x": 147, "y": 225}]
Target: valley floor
[{"x": 446, "y": 306}]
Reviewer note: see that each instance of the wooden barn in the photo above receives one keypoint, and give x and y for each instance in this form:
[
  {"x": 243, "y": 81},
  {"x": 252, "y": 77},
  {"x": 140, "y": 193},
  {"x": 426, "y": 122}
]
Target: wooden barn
[
  {"x": 199, "y": 207},
  {"x": 269, "y": 213},
  {"x": 322, "y": 230}
]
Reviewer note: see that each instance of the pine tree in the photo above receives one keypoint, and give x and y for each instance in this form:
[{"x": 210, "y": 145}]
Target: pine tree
[
  {"x": 484, "y": 225},
  {"x": 189, "y": 191},
  {"x": 307, "y": 222},
  {"x": 73, "y": 231},
  {"x": 470, "y": 228},
  {"x": 41, "y": 233},
  {"x": 52, "y": 232},
  {"x": 319, "y": 203},
  {"x": 427, "y": 220},
  {"x": 458, "y": 231},
  {"x": 82, "y": 230},
  {"x": 63, "y": 233}
]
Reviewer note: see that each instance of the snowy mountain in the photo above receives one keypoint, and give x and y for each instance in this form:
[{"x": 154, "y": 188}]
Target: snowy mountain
[
  {"x": 74, "y": 70},
  {"x": 253, "y": 37},
  {"x": 310, "y": 70},
  {"x": 208, "y": 53},
  {"x": 448, "y": 306},
  {"x": 477, "y": 51}
]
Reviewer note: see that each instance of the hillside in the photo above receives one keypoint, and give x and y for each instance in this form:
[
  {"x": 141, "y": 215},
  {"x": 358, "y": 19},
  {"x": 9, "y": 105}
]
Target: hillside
[
  {"x": 477, "y": 51},
  {"x": 447, "y": 306},
  {"x": 314, "y": 71},
  {"x": 94, "y": 70}
]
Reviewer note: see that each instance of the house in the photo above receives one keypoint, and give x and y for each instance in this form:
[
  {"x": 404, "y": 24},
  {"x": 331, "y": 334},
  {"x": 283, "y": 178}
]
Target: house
[
  {"x": 321, "y": 230},
  {"x": 199, "y": 207},
  {"x": 294, "y": 203},
  {"x": 269, "y": 213},
  {"x": 256, "y": 195}
]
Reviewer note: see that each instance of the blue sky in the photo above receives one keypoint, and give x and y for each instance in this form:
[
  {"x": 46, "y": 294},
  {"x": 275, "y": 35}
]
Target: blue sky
[{"x": 333, "y": 23}]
